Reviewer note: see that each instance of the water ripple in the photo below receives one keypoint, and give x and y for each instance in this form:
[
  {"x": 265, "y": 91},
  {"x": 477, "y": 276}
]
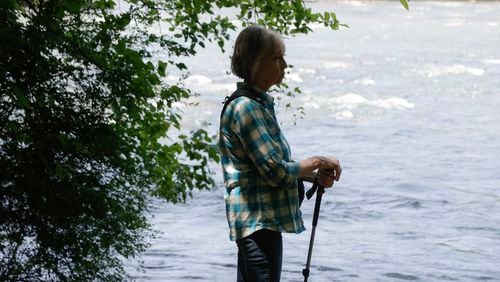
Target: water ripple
[{"x": 401, "y": 276}]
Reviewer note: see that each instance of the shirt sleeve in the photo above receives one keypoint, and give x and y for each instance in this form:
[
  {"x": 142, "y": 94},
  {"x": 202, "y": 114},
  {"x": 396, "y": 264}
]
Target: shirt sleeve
[{"x": 254, "y": 131}]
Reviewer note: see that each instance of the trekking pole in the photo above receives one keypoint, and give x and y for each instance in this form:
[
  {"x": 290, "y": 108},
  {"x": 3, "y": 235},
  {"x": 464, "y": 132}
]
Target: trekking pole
[{"x": 317, "y": 206}]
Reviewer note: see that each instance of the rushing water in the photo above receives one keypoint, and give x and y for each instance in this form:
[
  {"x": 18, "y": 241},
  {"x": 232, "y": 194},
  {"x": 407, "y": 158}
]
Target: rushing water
[{"x": 410, "y": 104}]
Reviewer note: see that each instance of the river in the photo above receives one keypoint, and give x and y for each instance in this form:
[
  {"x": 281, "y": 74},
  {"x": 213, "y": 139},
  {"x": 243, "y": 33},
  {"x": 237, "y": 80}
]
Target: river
[{"x": 409, "y": 101}]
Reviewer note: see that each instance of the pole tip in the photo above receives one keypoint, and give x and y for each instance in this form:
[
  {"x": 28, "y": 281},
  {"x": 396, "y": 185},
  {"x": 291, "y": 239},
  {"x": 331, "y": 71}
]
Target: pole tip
[{"x": 305, "y": 272}]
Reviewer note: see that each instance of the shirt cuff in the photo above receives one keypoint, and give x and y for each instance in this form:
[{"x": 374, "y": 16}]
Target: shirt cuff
[{"x": 293, "y": 169}]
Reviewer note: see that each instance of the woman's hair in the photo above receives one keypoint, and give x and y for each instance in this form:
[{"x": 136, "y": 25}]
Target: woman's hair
[{"x": 253, "y": 43}]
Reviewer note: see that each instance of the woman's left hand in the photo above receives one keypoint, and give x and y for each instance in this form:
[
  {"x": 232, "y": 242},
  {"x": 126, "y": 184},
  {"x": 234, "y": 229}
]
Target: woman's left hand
[{"x": 326, "y": 177}]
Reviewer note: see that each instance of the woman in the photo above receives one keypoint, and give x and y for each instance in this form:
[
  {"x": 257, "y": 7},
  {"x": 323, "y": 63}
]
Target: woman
[{"x": 260, "y": 177}]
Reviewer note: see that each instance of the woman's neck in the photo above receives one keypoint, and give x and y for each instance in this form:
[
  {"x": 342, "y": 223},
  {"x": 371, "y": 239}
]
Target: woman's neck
[{"x": 260, "y": 87}]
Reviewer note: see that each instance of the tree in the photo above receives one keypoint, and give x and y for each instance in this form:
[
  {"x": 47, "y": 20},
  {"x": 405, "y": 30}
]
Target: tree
[{"x": 86, "y": 119}]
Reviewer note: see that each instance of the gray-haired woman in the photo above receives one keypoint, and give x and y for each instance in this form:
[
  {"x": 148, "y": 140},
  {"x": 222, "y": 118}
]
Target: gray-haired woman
[{"x": 262, "y": 198}]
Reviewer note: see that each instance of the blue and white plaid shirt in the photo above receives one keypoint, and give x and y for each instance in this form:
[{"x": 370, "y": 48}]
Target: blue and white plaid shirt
[{"x": 259, "y": 174}]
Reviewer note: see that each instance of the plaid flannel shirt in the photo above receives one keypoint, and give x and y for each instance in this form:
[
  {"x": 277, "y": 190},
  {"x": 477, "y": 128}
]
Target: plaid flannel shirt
[{"x": 259, "y": 174}]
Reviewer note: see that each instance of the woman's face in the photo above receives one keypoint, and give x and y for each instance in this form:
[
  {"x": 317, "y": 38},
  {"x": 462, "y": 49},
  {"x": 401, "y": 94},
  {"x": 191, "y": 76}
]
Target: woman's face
[{"x": 271, "y": 69}]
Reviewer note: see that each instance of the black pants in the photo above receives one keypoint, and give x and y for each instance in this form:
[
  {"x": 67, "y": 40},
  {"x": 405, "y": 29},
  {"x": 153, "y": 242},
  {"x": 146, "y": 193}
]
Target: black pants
[{"x": 260, "y": 257}]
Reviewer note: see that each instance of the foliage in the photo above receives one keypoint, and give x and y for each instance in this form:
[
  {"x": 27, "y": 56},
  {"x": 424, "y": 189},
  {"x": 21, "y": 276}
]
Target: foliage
[
  {"x": 86, "y": 122},
  {"x": 405, "y": 4}
]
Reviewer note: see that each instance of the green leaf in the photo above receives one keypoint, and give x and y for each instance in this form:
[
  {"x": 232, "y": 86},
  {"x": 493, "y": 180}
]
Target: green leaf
[
  {"x": 181, "y": 66},
  {"x": 60, "y": 171},
  {"x": 405, "y": 4},
  {"x": 161, "y": 68},
  {"x": 22, "y": 101}
]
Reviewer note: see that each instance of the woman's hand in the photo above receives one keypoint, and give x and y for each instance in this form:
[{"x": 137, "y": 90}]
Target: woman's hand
[
  {"x": 326, "y": 177},
  {"x": 329, "y": 170},
  {"x": 310, "y": 177},
  {"x": 330, "y": 166}
]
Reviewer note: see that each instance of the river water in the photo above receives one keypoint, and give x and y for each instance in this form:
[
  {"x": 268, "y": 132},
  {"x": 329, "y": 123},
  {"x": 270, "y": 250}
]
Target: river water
[{"x": 409, "y": 101}]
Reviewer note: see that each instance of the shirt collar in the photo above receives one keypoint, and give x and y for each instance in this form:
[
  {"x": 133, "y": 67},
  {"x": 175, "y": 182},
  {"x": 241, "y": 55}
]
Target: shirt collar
[{"x": 268, "y": 99}]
